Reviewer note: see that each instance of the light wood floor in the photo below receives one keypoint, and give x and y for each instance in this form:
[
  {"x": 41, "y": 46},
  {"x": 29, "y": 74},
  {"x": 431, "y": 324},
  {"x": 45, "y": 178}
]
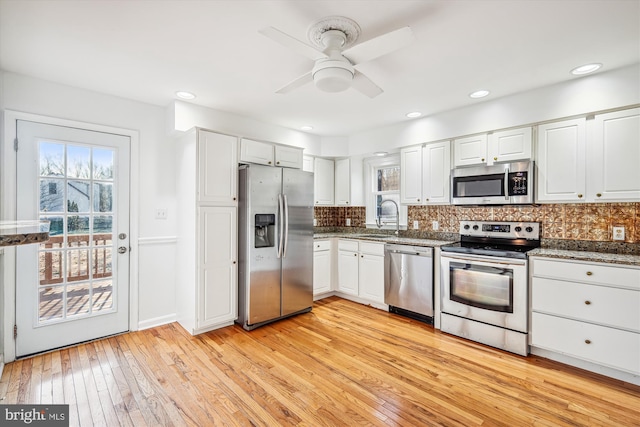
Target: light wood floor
[{"x": 342, "y": 364}]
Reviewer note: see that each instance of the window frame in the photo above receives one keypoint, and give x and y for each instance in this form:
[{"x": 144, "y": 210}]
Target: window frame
[{"x": 370, "y": 179}]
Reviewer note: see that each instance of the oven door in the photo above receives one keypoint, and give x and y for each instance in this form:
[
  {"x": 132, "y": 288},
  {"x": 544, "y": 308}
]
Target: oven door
[{"x": 486, "y": 289}]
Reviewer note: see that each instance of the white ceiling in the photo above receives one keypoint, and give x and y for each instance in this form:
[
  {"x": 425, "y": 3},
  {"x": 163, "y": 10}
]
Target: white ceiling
[{"x": 147, "y": 50}]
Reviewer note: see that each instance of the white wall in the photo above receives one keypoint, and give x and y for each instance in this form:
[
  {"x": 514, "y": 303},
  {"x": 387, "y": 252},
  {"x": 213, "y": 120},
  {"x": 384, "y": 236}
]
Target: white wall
[
  {"x": 602, "y": 91},
  {"x": 156, "y": 174}
]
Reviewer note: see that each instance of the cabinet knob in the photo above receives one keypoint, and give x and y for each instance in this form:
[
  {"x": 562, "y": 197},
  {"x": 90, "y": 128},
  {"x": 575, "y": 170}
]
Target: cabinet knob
[
  {"x": 361, "y": 256},
  {"x": 269, "y": 162},
  {"x": 587, "y": 302},
  {"x": 346, "y": 203},
  {"x": 418, "y": 200},
  {"x": 355, "y": 254},
  {"x": 589, "y": 273},
  {"x": 495, "y": 158},
  {"x": 599, "y": 194},
  {"x": 426, "y": 200},
  {"x": 234, "y": 199},
  {"x": 277, "y": 163},
  {"x": 579, "y": 196},
  {"x": 234, "y": 262},
  {"x": 482, "y": 159},
  {"x": 587, "y": 341}
]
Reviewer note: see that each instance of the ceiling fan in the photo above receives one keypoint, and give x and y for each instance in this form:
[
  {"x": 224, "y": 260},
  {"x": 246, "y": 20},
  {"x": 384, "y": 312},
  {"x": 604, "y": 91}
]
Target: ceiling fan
[{"x": 336, "y": 55}]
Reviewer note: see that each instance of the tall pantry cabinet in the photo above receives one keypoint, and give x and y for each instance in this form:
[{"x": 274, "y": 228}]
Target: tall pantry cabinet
[{"x": 207, "y": 269}]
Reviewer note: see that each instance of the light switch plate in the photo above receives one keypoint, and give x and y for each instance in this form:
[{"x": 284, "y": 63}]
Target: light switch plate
[
  {"x": 161, "y": 213},
  {"x": 618, "y": 233}
]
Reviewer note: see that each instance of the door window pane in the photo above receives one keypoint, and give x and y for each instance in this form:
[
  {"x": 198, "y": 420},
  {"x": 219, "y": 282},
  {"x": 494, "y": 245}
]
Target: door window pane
[
  {"x": 102, "y": 296},
  {"x": 51, "y": 303},
  {"x": 102, "y": 197},
  {"x": 78, "y": 297},
  {"x": 78, "y": 161},
  {"x": 78, "y": 196},
  {"x": 51, "y": 195},
  {"x": 51, "y": 159},
  {"x": 102, "y": 164}
]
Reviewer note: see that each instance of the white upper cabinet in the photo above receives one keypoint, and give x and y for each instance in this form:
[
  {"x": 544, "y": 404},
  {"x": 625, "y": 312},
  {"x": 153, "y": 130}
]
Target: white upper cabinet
[
  {"x": 342, "y": 182},
  {"x": 307, "y": 163},
  {"x": 411, "y": 175},
  {"x": 436, "y": 173},
  {"x": 323, "y": 182},
  {"x": 288, "y": 157},
  {"x": 424, "y": 174},
  {"x": 217, "y": 168},
  {"x": 501, "y": 146},
  {"x": 594, "y": 160},
  {"x": 256, "y": 152},
  {"x": 471, "y": 150},
  {"x": 510, "y": 145},
  {"x": 561, "y": 161},
  {"x": 614, "y": 167},
  {"x": 266, "y": 153}
]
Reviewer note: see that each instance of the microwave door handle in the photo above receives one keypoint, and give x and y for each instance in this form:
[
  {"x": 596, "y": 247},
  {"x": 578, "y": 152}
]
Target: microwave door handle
[{"x": 506, "y": 183}]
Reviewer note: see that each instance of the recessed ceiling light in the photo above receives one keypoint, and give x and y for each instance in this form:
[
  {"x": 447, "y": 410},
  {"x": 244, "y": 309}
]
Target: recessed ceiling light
[
  {"x": 479, "y": 94},
  {"x": 414, "y": 114},
  {"x": 380, "y": 153},
  {"x": 586, "y": 69},
  {"x": 185, "y": 95},
  {"x": 306, "y": 127}
]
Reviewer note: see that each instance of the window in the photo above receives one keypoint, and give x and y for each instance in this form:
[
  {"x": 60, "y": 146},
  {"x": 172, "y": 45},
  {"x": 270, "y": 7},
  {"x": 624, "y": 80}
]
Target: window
[{"x": 382, "y": 177}]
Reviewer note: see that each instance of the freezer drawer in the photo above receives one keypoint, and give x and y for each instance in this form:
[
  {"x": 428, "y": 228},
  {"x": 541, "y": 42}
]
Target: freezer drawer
[{"x": 408, "y": 282}]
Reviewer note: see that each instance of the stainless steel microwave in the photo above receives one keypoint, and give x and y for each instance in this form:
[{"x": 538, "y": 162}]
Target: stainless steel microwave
[{"x": 502, "y": 184}]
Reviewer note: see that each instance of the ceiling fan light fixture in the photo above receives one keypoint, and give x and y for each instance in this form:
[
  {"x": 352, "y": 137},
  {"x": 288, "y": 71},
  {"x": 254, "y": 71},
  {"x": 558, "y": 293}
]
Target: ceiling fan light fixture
[{"x": 332, "y": 75}]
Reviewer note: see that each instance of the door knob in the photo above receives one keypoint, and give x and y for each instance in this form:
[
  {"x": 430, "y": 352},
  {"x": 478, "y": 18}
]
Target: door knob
[{"x": 122, "y": 250}]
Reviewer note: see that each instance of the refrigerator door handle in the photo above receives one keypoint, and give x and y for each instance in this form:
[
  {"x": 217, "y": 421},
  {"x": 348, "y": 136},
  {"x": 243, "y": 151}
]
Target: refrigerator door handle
[
  {"x": 280, "y": 225},
  {"x": 286, "y": 225}
]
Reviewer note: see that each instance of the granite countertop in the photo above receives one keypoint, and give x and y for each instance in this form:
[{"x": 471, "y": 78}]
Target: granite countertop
[
  {"x": 14, "y": 233},
  {"x": 385, "y": 238},
  {"x": 580, "y": 255}
]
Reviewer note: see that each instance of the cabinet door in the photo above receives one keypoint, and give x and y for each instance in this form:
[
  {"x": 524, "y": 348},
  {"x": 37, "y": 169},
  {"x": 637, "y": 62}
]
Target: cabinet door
[
  {"x": 288, "y": 157},
  {"x": 348, "y": 272},
  {"x": 321, "y": 272},
  {"x": 371, "y": 280},
  {"x": 256, "y": 152},
  {"x": 436, "y": 173},
  {"x": 217, "y": 168},
  {"x": 411, "y": 175},
  {"x": 307, "y": 163},
  {"x": 615, "y": 164},
  {"x": 470, "y": 151},
  {"x": 217, "y": 264},
  {"x": 323, "y": 179},
  {"x": 561, "y": 161},
  {"x": 510, "y": 145},
  {"x": 343, "y": 182}
]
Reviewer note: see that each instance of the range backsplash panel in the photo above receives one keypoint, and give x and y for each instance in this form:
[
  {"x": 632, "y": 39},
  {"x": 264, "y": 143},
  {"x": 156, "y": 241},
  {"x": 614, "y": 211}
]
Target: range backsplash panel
[{"x": 585, "y": 221}]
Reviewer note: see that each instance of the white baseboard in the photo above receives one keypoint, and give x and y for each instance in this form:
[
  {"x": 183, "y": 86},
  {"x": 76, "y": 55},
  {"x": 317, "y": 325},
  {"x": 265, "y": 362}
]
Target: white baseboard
[{"x": 157, "y": 321}]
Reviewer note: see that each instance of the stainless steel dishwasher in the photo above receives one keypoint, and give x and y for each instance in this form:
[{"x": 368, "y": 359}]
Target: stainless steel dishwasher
[{"x": 408, "y": 281}]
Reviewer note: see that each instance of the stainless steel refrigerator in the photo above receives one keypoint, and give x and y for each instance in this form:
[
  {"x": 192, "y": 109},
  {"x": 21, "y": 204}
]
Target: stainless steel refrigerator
[{"x": 275, "y": 243}]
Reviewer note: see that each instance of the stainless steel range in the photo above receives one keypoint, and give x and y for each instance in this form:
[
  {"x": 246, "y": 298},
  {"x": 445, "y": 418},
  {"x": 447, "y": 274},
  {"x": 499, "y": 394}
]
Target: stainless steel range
[{"x": 484, "y": 282}]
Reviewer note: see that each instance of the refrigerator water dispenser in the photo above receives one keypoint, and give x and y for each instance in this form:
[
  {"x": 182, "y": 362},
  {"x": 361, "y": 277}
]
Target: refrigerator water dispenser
[{"x": 263, "y": 233}]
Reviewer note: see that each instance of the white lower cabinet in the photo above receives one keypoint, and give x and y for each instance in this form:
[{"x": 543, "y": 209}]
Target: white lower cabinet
[
  {"x": 588, "y": 311},
  {"x": 361, "y": 270},
  {"x": 322, "y": 266}
]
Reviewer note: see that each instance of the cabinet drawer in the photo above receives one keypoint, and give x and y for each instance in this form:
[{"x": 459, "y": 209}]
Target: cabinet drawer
[
  {"x": 321, "y": 245},
  {"x": 600, "y": 304},
  {"x": 607, "y": 346},
  {"x": 348, "y": 245},
  {"x": 372, "y": 248},
  {"x": 587, "y": 273}
]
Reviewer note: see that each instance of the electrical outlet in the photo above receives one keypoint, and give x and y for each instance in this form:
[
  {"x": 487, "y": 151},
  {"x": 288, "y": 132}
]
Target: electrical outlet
[
  {"x": 416, "y": 225},
  {"x": 618, "y": 233},
  {"x": 348, "y": 222},
  {"x": 315, "y": 222},
  {"x": 161, "y": 213},
  {"x": 435, "y": 225}
]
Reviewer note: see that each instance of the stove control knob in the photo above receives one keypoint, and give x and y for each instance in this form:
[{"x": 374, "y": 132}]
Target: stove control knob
[
  {"x": 466, "y": 226},
  {"x": 475, "y": 227},
  {"x": 529, "y": 229},
  {"x": 518, "y": 229}
]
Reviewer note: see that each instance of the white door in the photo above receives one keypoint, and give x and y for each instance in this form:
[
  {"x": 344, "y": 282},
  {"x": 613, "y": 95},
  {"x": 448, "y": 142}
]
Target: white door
[{"x": 74, "y": 287}]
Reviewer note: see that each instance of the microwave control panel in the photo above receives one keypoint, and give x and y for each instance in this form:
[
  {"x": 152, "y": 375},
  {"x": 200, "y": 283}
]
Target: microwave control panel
[{"x": 518, "y": 183}]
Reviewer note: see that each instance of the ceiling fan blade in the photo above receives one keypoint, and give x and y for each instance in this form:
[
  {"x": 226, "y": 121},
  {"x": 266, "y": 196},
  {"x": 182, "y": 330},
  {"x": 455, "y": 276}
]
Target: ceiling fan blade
[
  {"x": 364, "y": 85},
  {"x": 292, "y": 43},
  {"x": 379, "y": 46},
  {"x": 300, "y": 81}
]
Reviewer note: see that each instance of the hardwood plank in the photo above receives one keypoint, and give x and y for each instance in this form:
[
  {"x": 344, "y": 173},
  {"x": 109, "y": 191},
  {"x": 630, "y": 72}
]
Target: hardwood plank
[{"x": 343, "y": 364}]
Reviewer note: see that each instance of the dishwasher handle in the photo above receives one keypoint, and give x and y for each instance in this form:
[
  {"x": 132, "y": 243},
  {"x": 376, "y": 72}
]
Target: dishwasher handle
[{"x": 409, "y": 250}]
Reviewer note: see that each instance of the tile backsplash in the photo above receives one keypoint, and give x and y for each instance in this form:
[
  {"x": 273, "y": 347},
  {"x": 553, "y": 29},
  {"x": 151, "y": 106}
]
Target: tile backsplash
[{"x": 585, "y": 221}]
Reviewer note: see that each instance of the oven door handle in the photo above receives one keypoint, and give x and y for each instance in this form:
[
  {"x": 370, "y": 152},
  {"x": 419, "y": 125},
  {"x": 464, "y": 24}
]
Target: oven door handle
[{"x": 493, "y": 260}]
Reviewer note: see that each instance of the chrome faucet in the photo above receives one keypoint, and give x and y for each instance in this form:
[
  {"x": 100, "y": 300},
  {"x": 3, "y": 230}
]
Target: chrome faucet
[{"x": 379, "y": 224}]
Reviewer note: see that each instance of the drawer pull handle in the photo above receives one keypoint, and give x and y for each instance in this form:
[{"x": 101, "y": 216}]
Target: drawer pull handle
[
  {"x": 587, "y": 341},
  {"x": 589, "y": 273},
  {"x": 587, "y": 302}
]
